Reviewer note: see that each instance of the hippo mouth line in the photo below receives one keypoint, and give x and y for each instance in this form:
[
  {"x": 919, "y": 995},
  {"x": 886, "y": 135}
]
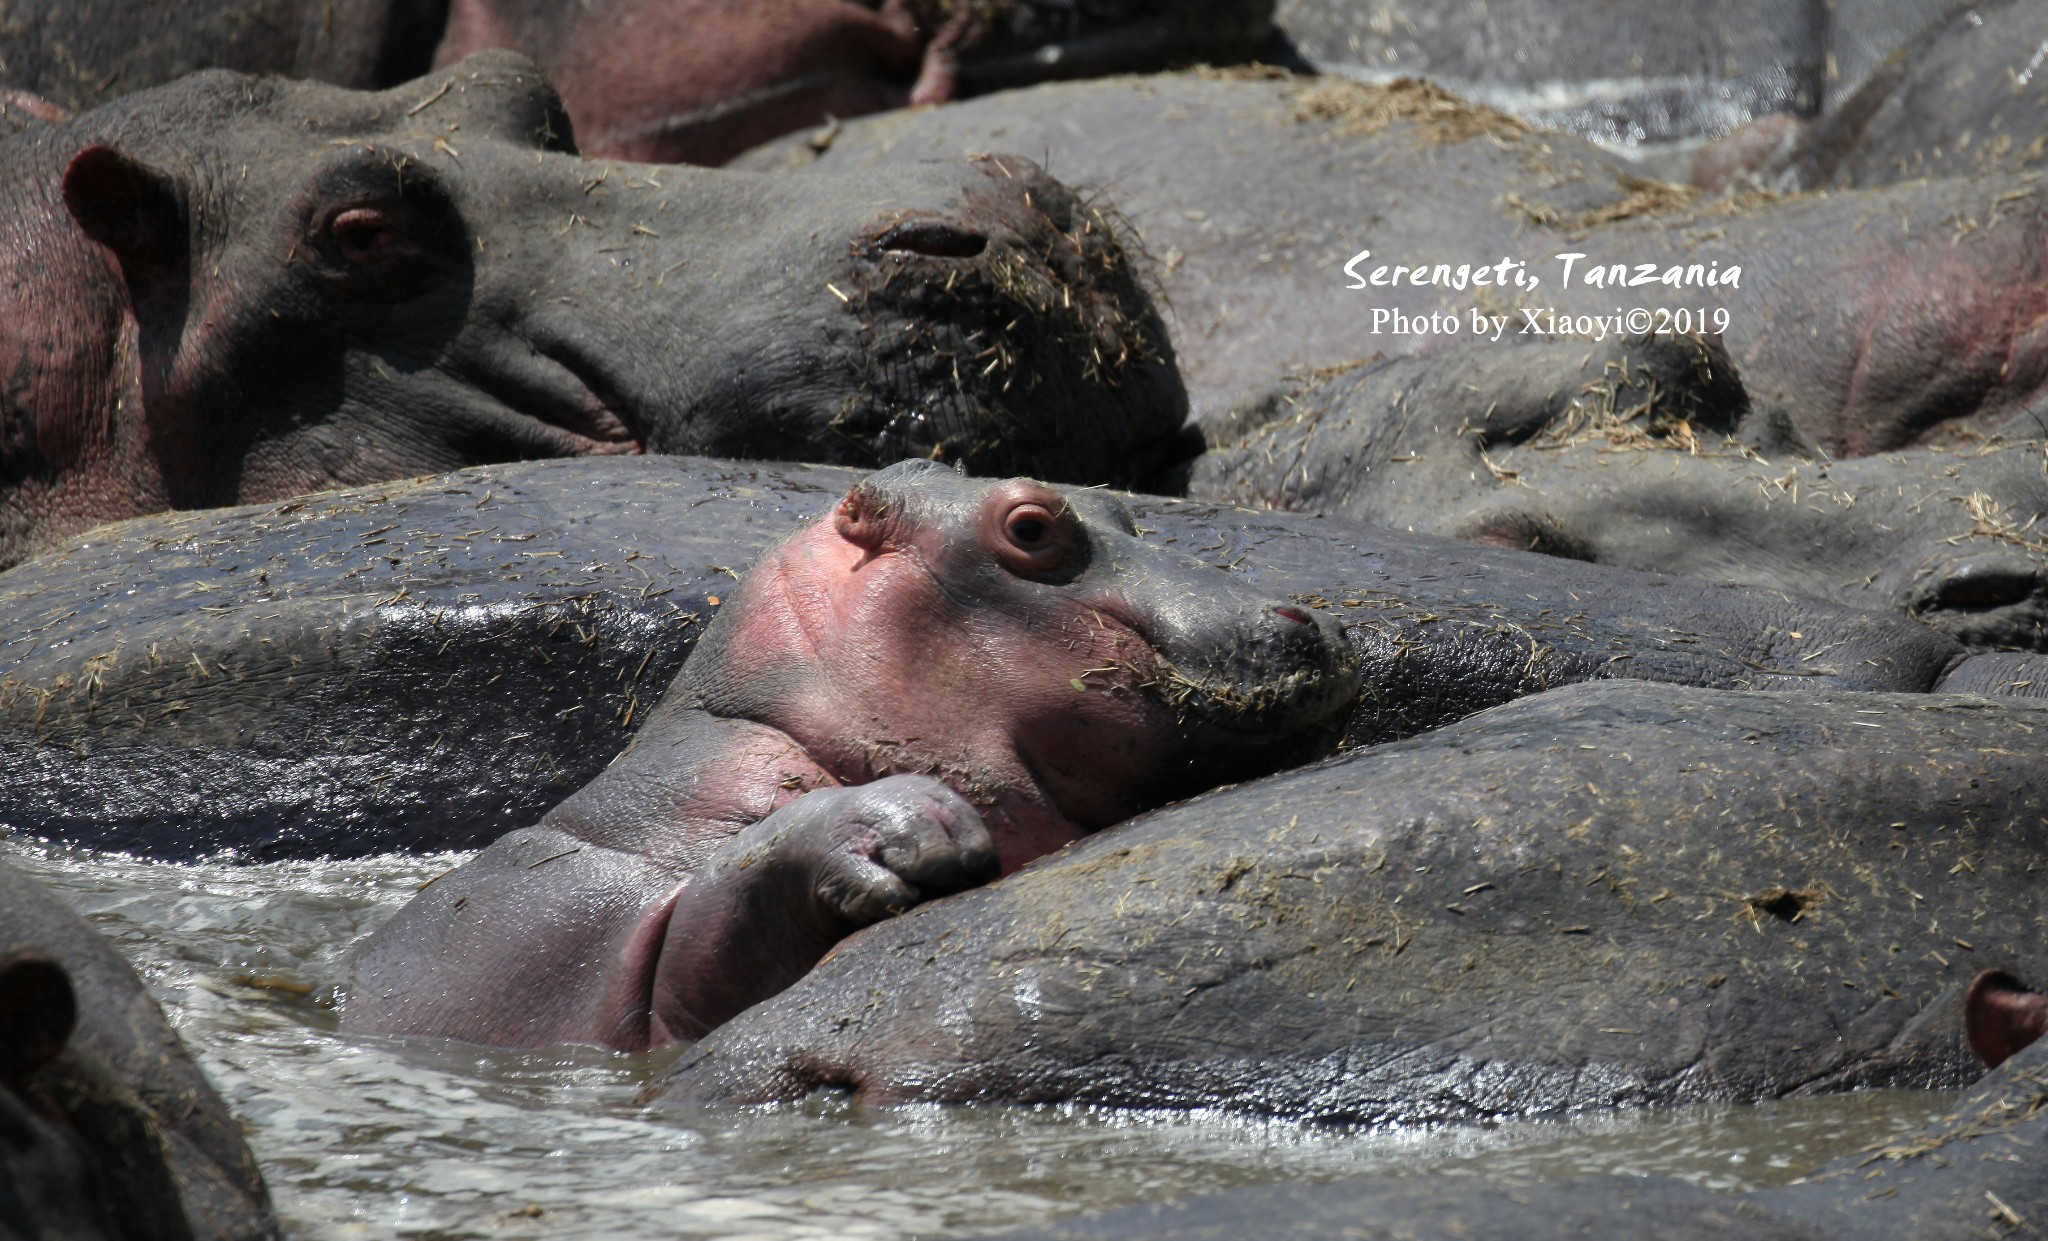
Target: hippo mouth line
[{"x": 557, "y": 387}]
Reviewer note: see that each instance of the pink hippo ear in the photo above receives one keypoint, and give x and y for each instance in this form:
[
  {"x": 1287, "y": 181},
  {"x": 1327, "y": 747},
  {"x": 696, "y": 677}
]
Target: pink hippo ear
[
  {"x": 2001, "y": 1016},
  {"x": 128, "y": 207},
  {"x": 37, "y": 1011}
]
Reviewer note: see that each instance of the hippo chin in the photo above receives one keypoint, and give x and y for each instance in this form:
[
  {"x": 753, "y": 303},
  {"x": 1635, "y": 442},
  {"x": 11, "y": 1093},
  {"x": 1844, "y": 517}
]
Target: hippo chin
[
  {"x": 937, "y": 682},
  {"x": 235, "y": 290}
]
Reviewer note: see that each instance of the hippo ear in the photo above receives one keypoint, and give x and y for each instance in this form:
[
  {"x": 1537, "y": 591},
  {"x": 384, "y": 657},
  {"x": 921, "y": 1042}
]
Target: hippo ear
[
  {"x": 37, "y": 1011},
  {"x": 2002, "y": 1016},
  {"x": 128, "y": 207}
]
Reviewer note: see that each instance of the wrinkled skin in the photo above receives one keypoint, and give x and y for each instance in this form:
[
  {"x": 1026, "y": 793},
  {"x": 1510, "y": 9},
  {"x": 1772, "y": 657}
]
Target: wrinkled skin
[
  {"x": 107, "y": 1128},
  {"x": 1873, "y": 319},
  {"x": 938, "y": 680},
  {"x": 81, "y": 53},
  {"x": 1610, "y": 894},
  {"x": 1963, "y": 99},
  {"x": 1930, "y": 1182},
  {"x": 1648, "y": 454},
  {"x": 427, "y": 665},
  {"x": 1624, "y": 73},
  {"x": 700, "y": 82},
  {"x": 429, "y": 277}
]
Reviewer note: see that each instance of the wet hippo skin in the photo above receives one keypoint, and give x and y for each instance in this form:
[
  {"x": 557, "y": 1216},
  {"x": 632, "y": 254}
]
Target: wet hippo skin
[
  {"x": 107, "y": 1128},
  {"x": 1613, "y": 893}
]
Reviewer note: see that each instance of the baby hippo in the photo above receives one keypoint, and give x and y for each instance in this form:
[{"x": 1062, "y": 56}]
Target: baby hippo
[{"x": 939, "y": 681}]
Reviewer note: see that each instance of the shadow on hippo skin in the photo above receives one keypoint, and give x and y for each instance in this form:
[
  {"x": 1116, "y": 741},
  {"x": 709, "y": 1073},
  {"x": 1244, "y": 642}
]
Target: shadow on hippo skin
[
  {"x": 429, "y": 277},
  {"x": 1980, "y": 1172},
  {"x": 1646, "y": 453},
  {"x": 107, "y": 1128},
  {"x": 937, "y": 681},
  {"x": 701, "y": 82}
]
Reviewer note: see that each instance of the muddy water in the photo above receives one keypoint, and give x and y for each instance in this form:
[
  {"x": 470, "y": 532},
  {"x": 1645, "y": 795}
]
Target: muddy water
[{"x": 377, "y": 1138}]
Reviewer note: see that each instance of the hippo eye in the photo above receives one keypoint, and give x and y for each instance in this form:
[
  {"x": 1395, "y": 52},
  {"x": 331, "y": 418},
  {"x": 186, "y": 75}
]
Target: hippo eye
[{"x": 1033, "y": 539}]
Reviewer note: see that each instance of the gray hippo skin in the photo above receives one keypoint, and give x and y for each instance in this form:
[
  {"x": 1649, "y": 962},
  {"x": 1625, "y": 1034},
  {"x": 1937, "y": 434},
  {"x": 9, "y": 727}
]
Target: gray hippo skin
[
  {"x": 1980, "y": 1171},
  {"x": 1873, "y": 320},
  {"x": 1977, "y": 1172},
  {"x": 1609, "y": 894},
  {"x": 78, "y": 54},
  {"x": 231, "y": 290},
  {"x": 1626, "y": 73},
  {"x": 429, "y": 664},
  {"x": 1964, "y": 99},
  {"x": 938, "y": 679},
  {"x": 107, "y": 1128},
  {"x": 1648, "y": 454}
]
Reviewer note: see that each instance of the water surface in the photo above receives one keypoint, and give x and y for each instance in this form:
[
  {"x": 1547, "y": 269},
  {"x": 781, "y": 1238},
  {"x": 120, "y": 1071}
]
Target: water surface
[{"x": 371, "y": 1137}]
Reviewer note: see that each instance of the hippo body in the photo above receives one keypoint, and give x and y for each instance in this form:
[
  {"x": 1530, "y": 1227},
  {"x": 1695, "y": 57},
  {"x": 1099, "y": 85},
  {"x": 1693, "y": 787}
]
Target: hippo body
[
  {"x": 1648, "y": 454},
  {"x": 1608, "y": 894},
  {"x": 1873, "y": 319},
  {"x": 1961, "y": 100},
  {"x": 79, "y": 55},
  {"x": 701, "y": 82},
  {"x": 936, "y": 679},
  {"x": 1938, "y": 1181},
  {"x": 427, "y": 665},
  {"x": 429, "y": 277},
  {"x": 107, "y": 1128},
  {"x": 665, "y": 81},
  {"x": 1622, "y": 73}
]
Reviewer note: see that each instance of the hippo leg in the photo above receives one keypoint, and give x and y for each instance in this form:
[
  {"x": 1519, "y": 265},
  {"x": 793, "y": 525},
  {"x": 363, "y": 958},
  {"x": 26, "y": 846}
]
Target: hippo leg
[
  {"x": 639, "y": 950},
  {"x": 771, "y": 903}
]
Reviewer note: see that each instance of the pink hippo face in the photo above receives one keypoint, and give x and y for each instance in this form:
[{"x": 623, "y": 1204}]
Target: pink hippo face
[{"x": 1025, "y": 647}]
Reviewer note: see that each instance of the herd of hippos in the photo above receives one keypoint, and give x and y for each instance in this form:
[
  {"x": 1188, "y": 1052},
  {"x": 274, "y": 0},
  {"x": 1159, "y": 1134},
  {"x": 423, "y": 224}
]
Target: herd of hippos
[{"x": 1496, "y": 719}]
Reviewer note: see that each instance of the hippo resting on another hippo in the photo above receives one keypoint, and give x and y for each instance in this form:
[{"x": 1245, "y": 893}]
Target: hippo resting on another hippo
[
  {"x": 1983, "y": 1164},
  {"x": 427, "y": 665},
  {"x": 1647, "y": 453},
  {"x": 1608, "y": 894},
  {"x": 1873, "y": 319},
  {"x": 107, "y": 1128},
  {"x": 938, "y": 680},
  {"x": 234, "y": 290}
]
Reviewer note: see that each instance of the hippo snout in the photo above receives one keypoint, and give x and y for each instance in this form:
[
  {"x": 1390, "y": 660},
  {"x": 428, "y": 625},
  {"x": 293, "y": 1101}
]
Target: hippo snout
[
  {"x": 1276, "y": 683},
  {"x": 1011, "y": 308}
]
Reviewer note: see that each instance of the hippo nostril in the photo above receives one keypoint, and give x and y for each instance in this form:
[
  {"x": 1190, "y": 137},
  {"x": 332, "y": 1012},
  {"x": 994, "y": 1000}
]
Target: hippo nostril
[
  {"x": 1296, "y": 615},
  {"x": 933, "y": 237}
]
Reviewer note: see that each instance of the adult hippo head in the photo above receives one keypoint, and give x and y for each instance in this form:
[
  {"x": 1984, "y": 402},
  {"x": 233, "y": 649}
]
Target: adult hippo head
[
  {"x": 941, "y": 680},
  {"x": 234, "y": 289}
]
